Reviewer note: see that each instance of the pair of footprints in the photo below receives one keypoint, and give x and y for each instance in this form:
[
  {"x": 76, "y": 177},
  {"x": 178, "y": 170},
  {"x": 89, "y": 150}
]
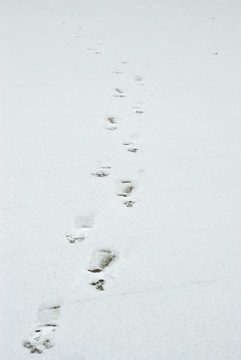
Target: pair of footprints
[
  {"x": 125, "y": 188},
  {"x": 112, "y": 123},
  {"x": 83, "y": 224},
  {"x": 41, "y": 338},
  {"x": 120, "y": 93}
]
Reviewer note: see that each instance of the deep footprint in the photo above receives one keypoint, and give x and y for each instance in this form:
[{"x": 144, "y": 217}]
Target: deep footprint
[{"x": 101, "y": 259}]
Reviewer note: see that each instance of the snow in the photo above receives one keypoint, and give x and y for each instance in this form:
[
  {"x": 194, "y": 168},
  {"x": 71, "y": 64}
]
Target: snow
[{"x": 83, "y": 84}]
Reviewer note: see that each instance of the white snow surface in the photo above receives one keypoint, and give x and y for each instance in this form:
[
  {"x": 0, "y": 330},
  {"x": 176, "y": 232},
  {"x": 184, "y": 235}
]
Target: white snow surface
[{"x": 145, "y": 94}]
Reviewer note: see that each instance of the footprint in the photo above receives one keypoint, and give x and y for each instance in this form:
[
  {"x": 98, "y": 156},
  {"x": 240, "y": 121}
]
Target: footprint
[
  {"x": 102, "y": 171},
  {"x": 82, "y": 225},
  {"x": 129, "y": 203},
  {"x": 137, "y": 109},
  {"x": 125, "y": 188},
  {"x": 75, "y": 34},
  {"x": 94, "y": 51},
  {"x": 41, "y": 338},
  {"x": 111, "y": 123},
  {"x": 101, "y": 259},
  {"x": 118, "y": 71},
  {"x": 131, "y": 147},
  {"x": 119, "y": 93},
  {"x": 139, "y": 80}
]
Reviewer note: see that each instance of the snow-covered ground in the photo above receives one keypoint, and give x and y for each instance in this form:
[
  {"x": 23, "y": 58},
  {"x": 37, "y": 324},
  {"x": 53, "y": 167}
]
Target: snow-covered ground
[{"x": 120, "y": 180}]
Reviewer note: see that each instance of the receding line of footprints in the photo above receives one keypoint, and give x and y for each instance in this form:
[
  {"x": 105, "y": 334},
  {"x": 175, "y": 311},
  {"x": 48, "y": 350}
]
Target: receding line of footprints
[{"x": 41, "y": 338}]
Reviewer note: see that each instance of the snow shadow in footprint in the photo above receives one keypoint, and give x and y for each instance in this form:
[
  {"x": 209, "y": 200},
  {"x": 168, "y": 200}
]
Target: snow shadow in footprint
[
  {"x": 101, "y": 259},
  {"x": 125, "y": 188}
]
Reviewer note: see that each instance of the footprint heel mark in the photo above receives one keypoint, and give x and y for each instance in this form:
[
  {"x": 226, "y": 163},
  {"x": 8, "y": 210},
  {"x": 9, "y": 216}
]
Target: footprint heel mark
[
  {"x": 102, "y": 172},
  {"x": 82, "y": 224},
  {"x": 101, "y": 259},
  {"x": 42, "y": 337}
]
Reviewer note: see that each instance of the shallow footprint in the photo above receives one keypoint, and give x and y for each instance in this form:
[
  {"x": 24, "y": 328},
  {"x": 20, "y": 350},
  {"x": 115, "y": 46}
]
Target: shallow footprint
[
  {"x": 82, "y": 225},
  {"x": 119, "y": 93},
  {"x": 94, "y": 51},
  {"x": 102, "y": 171},
  {"x": 131, "y": 147},
  {"x": 41, "y": 338},
  {"x": 138, "y": 109},
  {"x": 118, "y": 71},
  {"x": 139, "y": 80}
]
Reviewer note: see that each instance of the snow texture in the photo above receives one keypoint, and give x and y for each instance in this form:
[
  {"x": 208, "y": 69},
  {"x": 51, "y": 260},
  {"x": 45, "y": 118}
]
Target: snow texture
[{"x": 120, "y": 180}]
